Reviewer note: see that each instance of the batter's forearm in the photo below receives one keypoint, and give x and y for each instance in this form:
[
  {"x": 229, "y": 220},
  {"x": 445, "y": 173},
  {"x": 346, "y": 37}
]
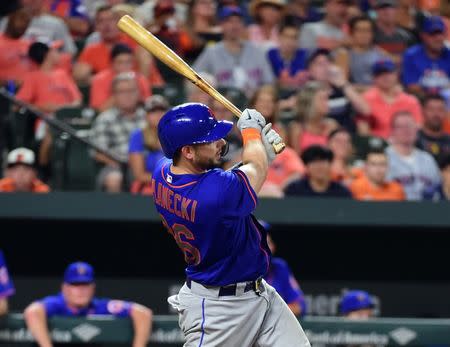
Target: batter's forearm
[{"x": 255, "y": 163}]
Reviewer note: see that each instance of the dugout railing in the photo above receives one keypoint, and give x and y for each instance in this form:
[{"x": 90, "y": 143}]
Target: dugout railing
[{"x": 105, "y": 330}]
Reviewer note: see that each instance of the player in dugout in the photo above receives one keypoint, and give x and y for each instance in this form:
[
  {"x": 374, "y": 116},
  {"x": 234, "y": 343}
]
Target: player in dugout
[
  {"x": 6, "y": 285},
  {"x": 357, "y": 305},
  {"x": 77, "y": 300},
  {"x": 225, "y": 301},
  {"x": 281, "y": 278}
]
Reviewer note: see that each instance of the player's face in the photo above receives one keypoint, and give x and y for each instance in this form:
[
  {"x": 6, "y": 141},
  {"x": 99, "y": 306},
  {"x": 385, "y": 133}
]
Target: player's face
[
  {"x": 376, "y": 167},
  {"x": 78, "y": 295},
  {"x": 207, "y": 156},
  {"x": 23, "y": 177},
  {"x": 434, "y": 41},
  {"x": 361, "y": 314},
  {"x": 434, "y": 114}
]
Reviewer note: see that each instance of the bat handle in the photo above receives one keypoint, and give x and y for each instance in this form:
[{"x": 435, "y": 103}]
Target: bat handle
[{"x": 279, "y": 147}]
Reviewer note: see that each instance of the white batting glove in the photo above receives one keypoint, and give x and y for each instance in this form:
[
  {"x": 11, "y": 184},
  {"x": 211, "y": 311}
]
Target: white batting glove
[
  {"x": 270, "y": 138},
  {"x": 251, "y": 119}
]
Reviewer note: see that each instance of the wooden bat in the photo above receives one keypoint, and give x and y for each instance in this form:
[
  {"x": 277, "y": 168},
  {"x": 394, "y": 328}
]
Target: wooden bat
[{"x": 157, "y": 48}]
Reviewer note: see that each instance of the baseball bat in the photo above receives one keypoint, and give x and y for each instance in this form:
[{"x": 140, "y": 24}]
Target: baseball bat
[{"x": 157, "y": 48}]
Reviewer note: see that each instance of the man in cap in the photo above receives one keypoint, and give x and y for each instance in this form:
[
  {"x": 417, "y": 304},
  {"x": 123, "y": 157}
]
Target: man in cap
[
  {"x": 386, "y": 97},
  {"x": 388, "y": 34},
  {"x": 20, "y": 174},
  {"x": 426, "y": 66},
  {"x": 234, "y": 62},
  {"x": 357, "y": 304},
  {"x": 76, "y": 299},
  {"x": 208, "y": 211}
]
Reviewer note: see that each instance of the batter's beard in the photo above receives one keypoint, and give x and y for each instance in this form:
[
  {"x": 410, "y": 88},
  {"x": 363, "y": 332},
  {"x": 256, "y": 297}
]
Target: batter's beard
[{"x": 207, "y": 163}]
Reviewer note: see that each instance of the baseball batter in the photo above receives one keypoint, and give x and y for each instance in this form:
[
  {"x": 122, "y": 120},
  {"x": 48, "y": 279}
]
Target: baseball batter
[{"x": 225, "y": 301}]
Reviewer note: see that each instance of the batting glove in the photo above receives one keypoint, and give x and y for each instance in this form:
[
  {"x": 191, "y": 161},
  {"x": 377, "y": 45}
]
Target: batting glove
[
  {"x": 270, "y": 138},
  {"x": 251, "y": 119}
]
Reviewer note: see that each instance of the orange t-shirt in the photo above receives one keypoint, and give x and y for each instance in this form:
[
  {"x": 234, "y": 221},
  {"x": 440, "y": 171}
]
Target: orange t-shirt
[
  {"x": 56, "y": 87},
  {"x": 7, "y": 185},
  {"x": 382, "y": 111},
  {"x": 98, "y": 55},
  {"x": 14, "y": 61},
  {"x": 286, "y": 164},
  {"x": 101, "y": 88},
  {"x": 363, "y": 189}
]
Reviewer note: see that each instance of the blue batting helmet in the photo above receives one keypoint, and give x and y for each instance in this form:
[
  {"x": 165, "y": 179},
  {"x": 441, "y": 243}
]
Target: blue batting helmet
[{"x": 189, "y": 124}]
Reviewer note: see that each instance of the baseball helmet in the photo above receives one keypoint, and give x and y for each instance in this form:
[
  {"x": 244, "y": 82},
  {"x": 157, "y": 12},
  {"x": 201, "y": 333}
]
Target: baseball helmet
[{"x": 189, "y": 124}]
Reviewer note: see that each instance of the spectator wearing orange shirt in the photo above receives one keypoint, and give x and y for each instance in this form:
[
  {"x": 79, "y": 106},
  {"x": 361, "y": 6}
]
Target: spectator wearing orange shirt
[
  {"x": 48, "y": 88},
  {"x": 386, "y": 98},
  {"x": 14, "y": 62},
  {"x": 373, "y": 184},
  {"x": 20, "y": 174},
  {"x": 122, "y": 59}
]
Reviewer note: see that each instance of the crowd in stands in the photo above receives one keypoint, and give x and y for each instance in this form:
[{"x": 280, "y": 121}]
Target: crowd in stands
[{"x": 359, "y": 89}]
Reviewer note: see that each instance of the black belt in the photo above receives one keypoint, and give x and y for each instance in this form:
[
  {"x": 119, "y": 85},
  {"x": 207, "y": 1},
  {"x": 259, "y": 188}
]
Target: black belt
[{"x": 231, "y": 289}]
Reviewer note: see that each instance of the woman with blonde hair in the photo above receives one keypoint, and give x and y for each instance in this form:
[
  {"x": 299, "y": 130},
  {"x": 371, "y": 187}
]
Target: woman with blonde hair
[{"x": 311, "y": 126}]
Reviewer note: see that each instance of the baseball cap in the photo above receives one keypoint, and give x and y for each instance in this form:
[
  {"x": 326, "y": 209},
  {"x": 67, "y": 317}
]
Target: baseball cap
[
  {"x": 382, "y": 66},
  {"x": 432, "y": 24},
  {"x": 21, "y": 155},
  {"x": 228, "y": 11},
  {"x": 156, "y": 102},
  {"x": 355, "y": 300},
  {"x": 79, "y": 272},
  {"x": 385, "y": 3}
]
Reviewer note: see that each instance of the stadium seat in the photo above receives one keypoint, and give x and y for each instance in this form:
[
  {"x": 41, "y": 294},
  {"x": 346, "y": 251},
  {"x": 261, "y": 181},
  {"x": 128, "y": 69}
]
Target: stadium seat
[
  {"x": 235, "y": 95},
  {"x": 174, "y": 93}
]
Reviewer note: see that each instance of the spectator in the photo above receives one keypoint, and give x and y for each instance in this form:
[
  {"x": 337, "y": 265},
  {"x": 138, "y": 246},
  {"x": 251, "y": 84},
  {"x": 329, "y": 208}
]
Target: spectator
[
  {"x": 77, "y": 299},
  {"x": 144, "y": 149},
  {"x": 96, "y": 57},
  {"x": 145, "y": 15},
  {"x": 317, "y": 183},
  {"x": 372, "y": 185},
  {"x": 357, "y": 305},
  {"x": 282, "y": 279},
  {"x": 6, "y": 286},
  {"x": 267, "y": 15},
  {"x": 413, "y": 168},
  {"x": 426, "y": 66},
  {"x": 113, "y": 127},
  {"x": 432, "y": 137},
  {"x": 202, "y": 26},
  {"x": 311, "y": 126},
  {"x": 45, "y": 27},
  {"x": 328, "y": 33},
  {"x": 48, "y": 88},
  {"x": 357, "y": 61},
  {"x": 340, "y": 143},
  {"x": 14, "y": 61},
  {"x": 235, "y": 62},
  {"x": 73, "y": 13},
  {"x": 388, "y": 34},
  {"x": 195, "y": 94},
  {"x": 302, "y": 12},
  {"x": 344, "y": 101},
  {"x": 20, "y": 174},
  {"x": 168, "y": 28},
  {"x": 288, "y": 61},
  {"x": 441, "y": 192},
  {"x": 386, "y": 98},
  {"x": 122, "y": 60}
]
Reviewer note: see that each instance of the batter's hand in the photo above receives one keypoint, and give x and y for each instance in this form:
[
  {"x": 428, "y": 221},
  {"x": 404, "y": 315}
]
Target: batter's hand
[
  {"x": 251, "y": 119},
  {"x": 270, "y": 138}
]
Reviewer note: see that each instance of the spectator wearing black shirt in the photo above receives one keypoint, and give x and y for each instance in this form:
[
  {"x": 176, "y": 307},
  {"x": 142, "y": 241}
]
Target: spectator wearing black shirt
[
  {"x": 317, "y": 182},
  {"x": 440, "y": 192},
  {"x": 431, "y": 137}
]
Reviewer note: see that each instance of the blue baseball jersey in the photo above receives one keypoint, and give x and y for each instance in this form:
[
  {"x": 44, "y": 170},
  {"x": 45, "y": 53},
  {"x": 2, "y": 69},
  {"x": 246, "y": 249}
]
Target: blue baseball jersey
[
  {"x": 56, "y": 306},
  {"x": 431, "y": 74},
  {"x": 209, "y": 216},
  {"x": 6, "y": 284},
  {"x": 281, "y": 278}
]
